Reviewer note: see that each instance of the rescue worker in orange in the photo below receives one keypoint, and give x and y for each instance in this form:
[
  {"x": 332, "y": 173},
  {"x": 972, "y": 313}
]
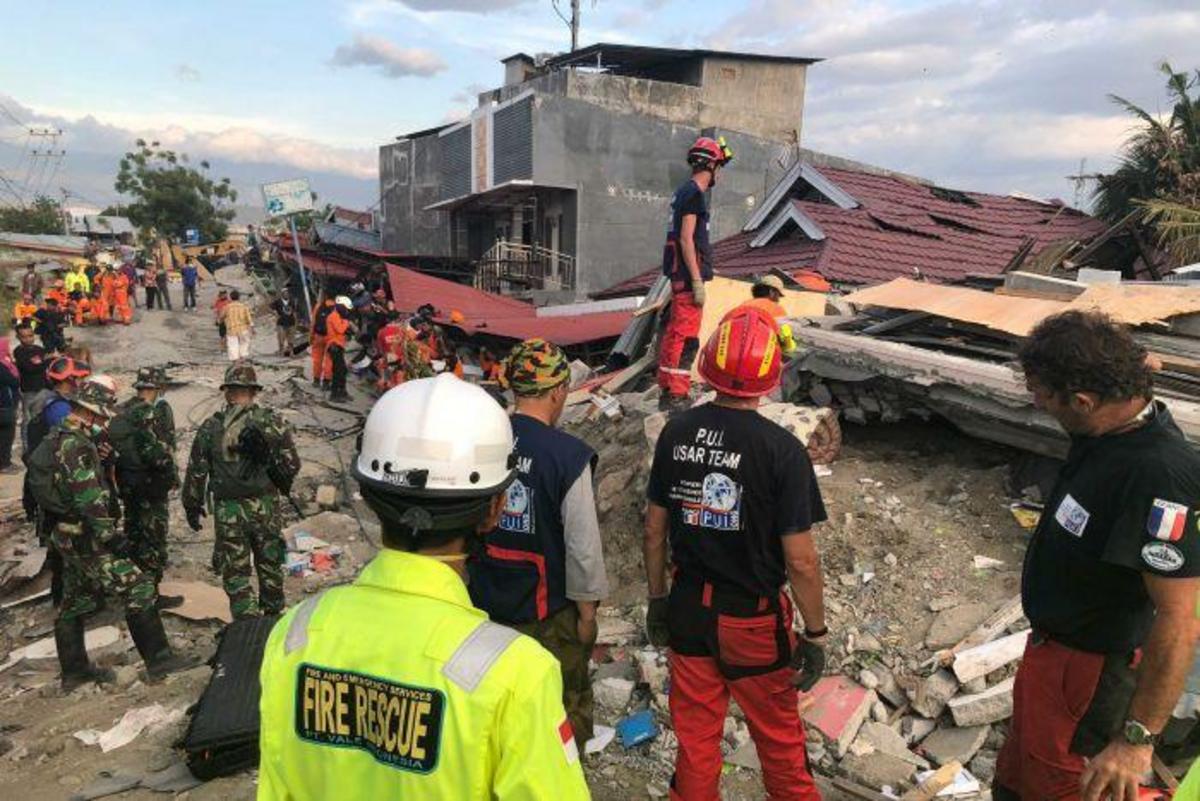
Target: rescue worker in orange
[
  {"x": 58, "y": 293},
  {"x": 101, "y": 310},
  {"x": 108, "y": 284},
  {"x": 23, "y": 310},
  {"x": 120, "y": 288},
  {"x": 83, "y": 310},
  {"x": 767, "y": 293},
  {"x": 337, "y": 324},
  {"x": 322, "y": 370}
]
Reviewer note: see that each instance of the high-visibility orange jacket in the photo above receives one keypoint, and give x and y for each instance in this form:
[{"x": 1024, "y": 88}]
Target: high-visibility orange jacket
[{"x": 336, "y": 327}]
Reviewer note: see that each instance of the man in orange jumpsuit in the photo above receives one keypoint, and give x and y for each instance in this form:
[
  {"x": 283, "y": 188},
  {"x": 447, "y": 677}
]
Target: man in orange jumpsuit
[
  {"x": 24, "y": 310},
  {"x": 108, "y": 283},
  {"x": 58, "y": 293},
  {"x": 337, "y": 324},
  {"x": 101, "y": 308},
  {"x": 121, "y": 297},
  {"x": 322, "y": 369},
  {"x": 83, "y": 310}
]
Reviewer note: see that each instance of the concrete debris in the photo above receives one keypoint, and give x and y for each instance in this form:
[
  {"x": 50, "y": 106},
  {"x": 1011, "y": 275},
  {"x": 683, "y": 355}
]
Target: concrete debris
[
  {"x": 932, "y": 694},
  {"x": 839, "y": 708},
  {"x": 612, "y": 693},
  {"x": 963, "y": 784},
  {"x": 745, "y": 756},
  {"x": 954, "y": 744},
  {"x": 953, "y": 624},
  {"x": 327, "y": 496},
  {"x": 987, "y": 563},
  {"x": 95, "y": 640},
  {"x": 990, "y": 706},
  {"x": 878, "y": 770},
  {"x": 886, "y": 740},
  {"x": 815, "y": 427}
]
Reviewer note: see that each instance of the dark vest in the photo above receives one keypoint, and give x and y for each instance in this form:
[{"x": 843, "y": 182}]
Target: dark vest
[
  {"x": 232, "y": 476},
  {"x": 521, "y": 577}
]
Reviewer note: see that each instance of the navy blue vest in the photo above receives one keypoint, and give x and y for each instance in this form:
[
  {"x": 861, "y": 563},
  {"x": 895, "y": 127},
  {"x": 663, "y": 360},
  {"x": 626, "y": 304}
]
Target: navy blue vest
[{"x": 521, "y": 577}]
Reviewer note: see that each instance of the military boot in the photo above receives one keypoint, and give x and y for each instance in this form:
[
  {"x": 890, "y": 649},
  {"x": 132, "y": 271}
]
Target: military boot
[
  {"x": 151, "y": 641},
  {"x": 72, "y": 656}
]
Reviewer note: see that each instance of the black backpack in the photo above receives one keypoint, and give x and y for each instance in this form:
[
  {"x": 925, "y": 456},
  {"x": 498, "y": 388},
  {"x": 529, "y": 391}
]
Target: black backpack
[{"x": 39, "y": 476}]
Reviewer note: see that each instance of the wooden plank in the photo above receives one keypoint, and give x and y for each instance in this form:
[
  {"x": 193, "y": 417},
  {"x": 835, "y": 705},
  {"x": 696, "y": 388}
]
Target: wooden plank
[
  {"x": 1010, "y": 612},
  {"x": 940, "y": 780},
  {"x": 981, "y": 660},
  {"x": 857, "y": 790}
]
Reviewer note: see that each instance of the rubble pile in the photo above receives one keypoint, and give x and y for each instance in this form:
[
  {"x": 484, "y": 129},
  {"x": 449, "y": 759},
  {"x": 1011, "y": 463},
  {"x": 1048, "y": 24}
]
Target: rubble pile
[{"x": 922, "y": 558}]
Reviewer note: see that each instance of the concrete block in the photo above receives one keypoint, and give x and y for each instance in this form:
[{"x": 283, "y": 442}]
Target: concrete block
[
  {"x": 887, "y": 740},
  {"x": 878, "y": 770},
  {"x": 954, "y": 744},
  {"x": 327, "y": 496},
  {"x": 990, "y": 706},
  {"x": 953, "y": 624},
  {"x": 612, "y": 693},
  {"x": 839, "y": 708},
  {"x": 932, "y": 694},
  {"x": 916, "y": 729}
]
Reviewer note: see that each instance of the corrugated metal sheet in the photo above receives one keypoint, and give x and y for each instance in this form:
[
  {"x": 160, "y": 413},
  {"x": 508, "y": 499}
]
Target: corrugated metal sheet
[
  {"x": 512, "y": 142},
  {"x": 50, "y": 243},
  {"x": 456, "y": 163},
  {"x": 334, "y": 234}
]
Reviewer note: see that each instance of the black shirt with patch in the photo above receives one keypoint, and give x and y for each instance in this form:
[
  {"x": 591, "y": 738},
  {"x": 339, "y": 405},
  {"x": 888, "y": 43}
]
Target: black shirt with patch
[
  {"x": 733, "y": 483},
  {"x": 1124, "y": 504}
]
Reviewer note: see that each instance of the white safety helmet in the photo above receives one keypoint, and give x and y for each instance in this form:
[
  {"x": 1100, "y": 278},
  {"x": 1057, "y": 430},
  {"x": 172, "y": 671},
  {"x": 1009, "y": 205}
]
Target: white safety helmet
[
  {"x": 436, "y": 438},
  {"x": 344, "y": 302}
]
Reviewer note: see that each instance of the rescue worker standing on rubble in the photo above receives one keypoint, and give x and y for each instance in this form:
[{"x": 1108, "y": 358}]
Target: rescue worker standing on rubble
[
  {"x": 737, "y": 497},
  {"x": 542, "y": 570},
  {"x": 766, "y": 294},
  {"x": 688, "y": 263},
  {"x": 337, "y": 324},
  {"x": 430, "y": 700},
  {"x": 1110, "y": 580},
  {"x": 66, "y": 478},
  {"x": 145, "y": 443},
  {"x": 321, "y": 370},
  {"x": 243, "y": 457}
]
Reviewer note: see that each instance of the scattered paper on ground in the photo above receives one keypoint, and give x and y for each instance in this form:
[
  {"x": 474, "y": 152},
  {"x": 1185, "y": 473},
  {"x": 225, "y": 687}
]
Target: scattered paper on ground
[
  {"x": 131, "y": 724},
  {"x": 200, "y": 601}
]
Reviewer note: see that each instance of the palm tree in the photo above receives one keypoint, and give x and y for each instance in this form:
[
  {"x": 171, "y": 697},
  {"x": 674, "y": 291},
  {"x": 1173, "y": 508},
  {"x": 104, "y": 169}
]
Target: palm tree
[
  {"x": 1161, "y": 160},
  {"x": 1177, "y": 227}
]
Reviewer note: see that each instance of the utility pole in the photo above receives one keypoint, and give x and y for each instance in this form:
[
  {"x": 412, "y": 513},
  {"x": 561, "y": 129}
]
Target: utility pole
[{"x": 574, "y": 25}]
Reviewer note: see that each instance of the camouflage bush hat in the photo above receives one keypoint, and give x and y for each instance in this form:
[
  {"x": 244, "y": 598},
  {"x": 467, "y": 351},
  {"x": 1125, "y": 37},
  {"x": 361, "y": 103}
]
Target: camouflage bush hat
[
  {"x": 535, "y": 366},
  {"x": 95, "y": 397},
  {"x": 241, "y": 375},
  {"x": 150, "y": 378}
]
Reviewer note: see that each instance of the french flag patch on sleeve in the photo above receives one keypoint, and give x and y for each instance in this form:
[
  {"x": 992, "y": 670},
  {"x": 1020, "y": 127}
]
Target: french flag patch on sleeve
[
  {"x": 1167, "y": 520},
  {"x": 567, "y": 736}
]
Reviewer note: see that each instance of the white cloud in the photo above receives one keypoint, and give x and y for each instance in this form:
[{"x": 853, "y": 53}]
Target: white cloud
[
  {"x": 993, "y": 96},
  {"x": 466, "y": 6},
  {"x": 393, "y": 60}
]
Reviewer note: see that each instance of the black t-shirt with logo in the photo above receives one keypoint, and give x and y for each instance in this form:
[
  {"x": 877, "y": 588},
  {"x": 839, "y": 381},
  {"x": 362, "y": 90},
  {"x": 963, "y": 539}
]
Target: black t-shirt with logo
[
  {"x": 688, "y": 199},
  {"x": 1124, "y": 504},
  {"x": 734, "y": 483}
]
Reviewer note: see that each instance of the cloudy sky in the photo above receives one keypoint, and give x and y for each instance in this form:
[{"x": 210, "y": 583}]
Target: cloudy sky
[{"x": 995, "y": 96}]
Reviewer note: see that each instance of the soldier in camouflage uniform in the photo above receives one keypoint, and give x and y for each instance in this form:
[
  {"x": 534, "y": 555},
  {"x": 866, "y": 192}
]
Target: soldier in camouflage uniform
[
  {"x": 243, "y": 457},
  {"x": 66, "y": 476},
  {"x": 144, "y": 435}
]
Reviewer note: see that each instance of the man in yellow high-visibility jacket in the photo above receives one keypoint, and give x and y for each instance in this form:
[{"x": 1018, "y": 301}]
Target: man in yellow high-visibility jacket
[{"x": 396, "y": 686}]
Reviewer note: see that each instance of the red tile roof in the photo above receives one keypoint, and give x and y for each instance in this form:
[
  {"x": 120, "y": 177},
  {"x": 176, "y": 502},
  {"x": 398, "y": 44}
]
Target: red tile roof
[
  {"x": 898, "y": 228},
  {"x": 486, "y": 313}
]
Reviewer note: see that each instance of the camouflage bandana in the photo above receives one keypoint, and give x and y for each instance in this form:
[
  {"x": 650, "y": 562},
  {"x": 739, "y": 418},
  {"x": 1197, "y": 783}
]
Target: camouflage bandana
[{"x": 535, "y": 366}]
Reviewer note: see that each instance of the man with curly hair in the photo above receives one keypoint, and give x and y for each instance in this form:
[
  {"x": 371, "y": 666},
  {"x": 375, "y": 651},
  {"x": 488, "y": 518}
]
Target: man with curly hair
[{"x": 1111, "y": 575}]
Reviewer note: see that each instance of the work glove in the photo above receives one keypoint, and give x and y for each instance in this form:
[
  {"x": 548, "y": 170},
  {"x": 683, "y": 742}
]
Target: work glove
[
  {"x": 657, "y": 630},
  {"x": 194, "y": 513},
  {"x": 809, "y": 661},
  {"x": 699, "y": 294}
]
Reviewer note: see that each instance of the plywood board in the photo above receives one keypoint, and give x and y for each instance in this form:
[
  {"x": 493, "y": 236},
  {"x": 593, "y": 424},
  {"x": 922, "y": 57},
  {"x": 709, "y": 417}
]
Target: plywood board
[
  {"x": 200, "y": 601},
  {"x": 1012, "y": 315},
  {"x": 723, "y": 295},
  {"x": 1137, "y": 304}
]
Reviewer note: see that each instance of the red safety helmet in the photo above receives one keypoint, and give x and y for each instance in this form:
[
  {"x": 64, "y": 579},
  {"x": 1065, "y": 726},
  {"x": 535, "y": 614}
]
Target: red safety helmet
[
  {"x": 709, "y": 152},
  {"x": 742, "y": 357},
  {"x": 64, "y": 368}
]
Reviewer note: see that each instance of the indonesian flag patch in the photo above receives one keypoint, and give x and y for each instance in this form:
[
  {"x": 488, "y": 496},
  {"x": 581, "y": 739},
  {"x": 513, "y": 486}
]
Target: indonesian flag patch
[
  {"x": 568, "y": 742},
  {"x": 1167, "y": 520}
]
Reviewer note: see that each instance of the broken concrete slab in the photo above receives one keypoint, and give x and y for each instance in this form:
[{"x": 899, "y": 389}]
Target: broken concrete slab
[
  {"x": 953, "y": 624},
  {"x": 932, "y": 695},
  {"x": 981, "y": 660},
  {"x": 878, "y": 770},
  {"x": 838, "y": 709},
  {"x": 990, "y": 706},
  {"x": 327, "y": 496},
  {"x": 887, "y": 688},
  {"x": 954, "y": 744},
  {"x": 886, "y": 740},
  {"x": 612, "y": 693},
  {"x": 815, "y": 427},
  {"x": 745, "y": 756},
  {"x": 916, "y": 729}
]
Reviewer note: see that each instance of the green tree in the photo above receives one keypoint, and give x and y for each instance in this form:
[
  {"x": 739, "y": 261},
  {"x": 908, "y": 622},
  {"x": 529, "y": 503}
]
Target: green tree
[
  {"x": 1161, "y": 159},
  {"x": 170, "y": 196},
  {"x": 1177, "y": 227},
  {"x": 42, "y": 216}
]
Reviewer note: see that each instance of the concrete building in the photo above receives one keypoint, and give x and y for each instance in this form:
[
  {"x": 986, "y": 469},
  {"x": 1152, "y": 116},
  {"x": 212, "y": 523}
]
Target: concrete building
[{"x": 559, "y": 182}]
